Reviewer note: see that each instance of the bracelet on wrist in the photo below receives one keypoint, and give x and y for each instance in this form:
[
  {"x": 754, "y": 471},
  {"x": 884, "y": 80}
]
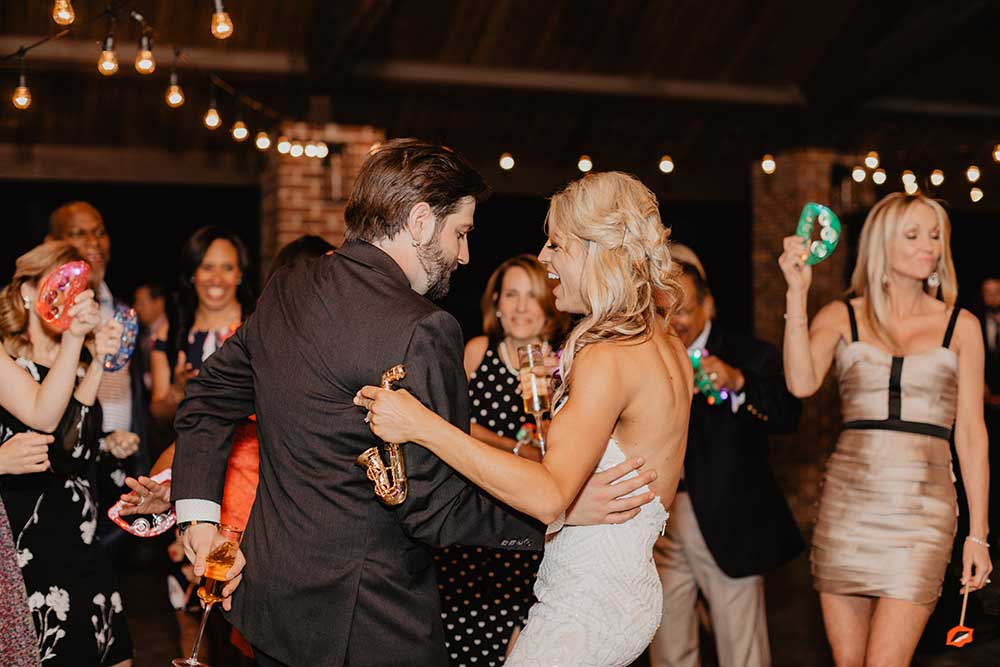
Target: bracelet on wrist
[{"x": 976, "y": 540}]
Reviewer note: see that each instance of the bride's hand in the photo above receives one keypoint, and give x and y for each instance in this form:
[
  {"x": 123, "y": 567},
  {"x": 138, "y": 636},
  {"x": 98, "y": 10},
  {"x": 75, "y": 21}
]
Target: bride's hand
[{"x": 394, "y": 416}]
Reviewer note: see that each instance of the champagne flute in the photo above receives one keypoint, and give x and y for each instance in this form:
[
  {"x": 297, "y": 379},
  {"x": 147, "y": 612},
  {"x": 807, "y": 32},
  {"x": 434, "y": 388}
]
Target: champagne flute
[
  {"x": 534, "y": 384},
  {"x": 220, "y": 560}
]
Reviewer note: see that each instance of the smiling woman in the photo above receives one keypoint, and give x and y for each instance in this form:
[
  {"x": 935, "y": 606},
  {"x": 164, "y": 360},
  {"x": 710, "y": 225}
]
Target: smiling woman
[{"x": 213, "y": 300}]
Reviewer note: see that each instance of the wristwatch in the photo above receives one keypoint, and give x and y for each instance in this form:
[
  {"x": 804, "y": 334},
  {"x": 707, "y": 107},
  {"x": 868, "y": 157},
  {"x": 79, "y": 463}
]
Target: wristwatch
[{"x": 182, "y": 527}]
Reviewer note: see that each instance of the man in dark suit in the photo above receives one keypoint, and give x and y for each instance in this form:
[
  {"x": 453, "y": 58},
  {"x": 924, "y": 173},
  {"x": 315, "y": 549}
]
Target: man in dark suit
[
  {"x": 332, "y": 576},
  {"x": 729, "y": 522}
]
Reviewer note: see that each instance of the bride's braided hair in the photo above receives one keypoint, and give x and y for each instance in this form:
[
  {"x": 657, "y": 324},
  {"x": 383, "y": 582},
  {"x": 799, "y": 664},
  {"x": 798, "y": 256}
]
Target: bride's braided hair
[{"x": 626, "y": 261}]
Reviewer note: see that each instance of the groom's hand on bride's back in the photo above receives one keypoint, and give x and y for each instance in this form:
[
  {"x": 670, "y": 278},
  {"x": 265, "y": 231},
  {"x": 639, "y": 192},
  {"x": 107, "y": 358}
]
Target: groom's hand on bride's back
[
  {"x": 198, "y": 541},
  {"x": 602, "y": 498}
]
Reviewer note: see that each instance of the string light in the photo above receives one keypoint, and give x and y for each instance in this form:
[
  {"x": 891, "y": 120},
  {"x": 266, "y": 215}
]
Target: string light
[
  {"x": 62, "y": 12},
  {"x": 909, "y": 177},
  {"x": 144, "y": 61},
  {"x": 311, "y": 150},
  {"x": 879, "y": 176},
  {"x": 996, "y": 153},
  {"x": 871, "y": 160},
  {"x": 222, "y": 25},
  {"x": 666, "y": 164},
  {"x": 107, "y": 62},
  {"x": 263, "y": 141},
  {"x": 175, "y": 95},
  {"x": 322, "y": 150},
  {"x": 768, "y": 165},
  {"x": 975, "y": 194},
  {"x": 910, "y": 187},
  {"x": 296, "y": 150},
  {"x": 239, "y": 131},
  {"x": 212, "y": 119},
  {"x": 506, "y": 161},
  {"x": 858, "y": 174},
  {"x": 284, "y": 145},
  {"x": 22, "y": 94},
  {"x": 937, "y": 177},
  {"x": 972, "y": 173},
  {"x": 585, "y": 164}
]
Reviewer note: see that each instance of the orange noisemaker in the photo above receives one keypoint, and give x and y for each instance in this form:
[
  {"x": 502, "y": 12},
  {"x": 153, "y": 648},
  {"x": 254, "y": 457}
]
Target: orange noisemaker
[{"x": 960, "y": 635}]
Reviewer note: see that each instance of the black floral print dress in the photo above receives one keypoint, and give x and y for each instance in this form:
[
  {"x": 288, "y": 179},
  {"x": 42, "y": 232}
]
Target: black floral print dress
[{"x": 72, "y": 595}]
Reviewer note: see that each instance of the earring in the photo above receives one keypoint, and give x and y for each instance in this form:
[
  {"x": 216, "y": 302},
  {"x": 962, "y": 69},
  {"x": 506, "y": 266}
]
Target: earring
[
  {"x": 498, "y": 314},
  {"x": 415, "y": 243},
  {"x": 934, "y": 280},
  {"x": 239, "y": 282},
  {"x": 885, "y": 280},
  {"x": 26, "y": 301}
]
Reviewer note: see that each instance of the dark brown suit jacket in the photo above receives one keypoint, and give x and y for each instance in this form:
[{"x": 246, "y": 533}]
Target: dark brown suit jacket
[{"x": 334, "y": 577}]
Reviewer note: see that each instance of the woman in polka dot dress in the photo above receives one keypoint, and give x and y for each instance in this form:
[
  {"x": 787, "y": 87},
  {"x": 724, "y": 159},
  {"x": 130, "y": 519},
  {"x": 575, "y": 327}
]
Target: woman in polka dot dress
[{"x": 486, "y": 594}]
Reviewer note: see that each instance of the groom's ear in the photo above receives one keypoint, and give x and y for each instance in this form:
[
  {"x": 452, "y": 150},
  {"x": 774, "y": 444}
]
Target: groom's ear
[{"x": 420, "y": 223}]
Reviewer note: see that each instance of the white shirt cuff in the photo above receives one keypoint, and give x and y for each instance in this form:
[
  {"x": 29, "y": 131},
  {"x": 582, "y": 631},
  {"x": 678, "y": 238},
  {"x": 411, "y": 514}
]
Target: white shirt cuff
[{"x": 196, "y": 509}]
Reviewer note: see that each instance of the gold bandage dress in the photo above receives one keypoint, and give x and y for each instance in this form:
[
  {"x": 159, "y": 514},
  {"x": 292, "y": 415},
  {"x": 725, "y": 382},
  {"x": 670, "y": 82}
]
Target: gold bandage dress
[{"x": 888, "y": 510}]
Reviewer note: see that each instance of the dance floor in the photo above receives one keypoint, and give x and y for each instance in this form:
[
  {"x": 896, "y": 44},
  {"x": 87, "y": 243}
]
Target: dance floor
[{"x": 793, "y": 616}]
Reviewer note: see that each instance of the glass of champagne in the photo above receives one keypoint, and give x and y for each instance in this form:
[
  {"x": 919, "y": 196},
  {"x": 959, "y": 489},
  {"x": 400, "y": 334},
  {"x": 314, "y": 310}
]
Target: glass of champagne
[
  {"x": 220, "y": 560},
  {"x": 534, "y": 384}
]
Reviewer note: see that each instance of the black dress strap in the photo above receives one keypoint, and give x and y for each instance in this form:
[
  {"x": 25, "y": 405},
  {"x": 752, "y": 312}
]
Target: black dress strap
[
  {"x": 854, "y": 320},
  {"x": 951, "y": 327}
]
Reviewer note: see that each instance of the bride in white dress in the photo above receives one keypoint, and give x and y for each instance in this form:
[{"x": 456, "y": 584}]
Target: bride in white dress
[{"x": 626, "y": 392}]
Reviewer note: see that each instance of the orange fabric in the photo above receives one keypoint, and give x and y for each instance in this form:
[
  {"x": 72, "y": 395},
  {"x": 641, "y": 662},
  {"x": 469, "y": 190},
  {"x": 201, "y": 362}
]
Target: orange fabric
[{"x": 241, "y": 475}]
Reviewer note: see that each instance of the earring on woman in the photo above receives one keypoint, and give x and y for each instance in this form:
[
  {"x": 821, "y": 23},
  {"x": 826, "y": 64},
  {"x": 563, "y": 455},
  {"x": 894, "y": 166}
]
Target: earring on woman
[
  {"x": 415, "y": 243},
  {"x": 934, "y": 280},
  {"x": 498, "y": 314},
  {"x": 26, "y": 301}
]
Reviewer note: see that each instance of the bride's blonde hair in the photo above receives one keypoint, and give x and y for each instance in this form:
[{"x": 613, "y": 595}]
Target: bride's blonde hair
[{"x": 626, "y": 261}]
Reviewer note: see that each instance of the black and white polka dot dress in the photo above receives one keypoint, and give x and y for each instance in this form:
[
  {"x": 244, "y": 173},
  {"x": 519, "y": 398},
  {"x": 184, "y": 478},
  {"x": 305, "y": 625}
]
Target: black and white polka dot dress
[{"x": 486, "y": 593}]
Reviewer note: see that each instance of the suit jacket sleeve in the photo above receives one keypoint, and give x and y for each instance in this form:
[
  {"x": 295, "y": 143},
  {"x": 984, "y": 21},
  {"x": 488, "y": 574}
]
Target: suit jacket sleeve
[
  {"x": 768, "y": 401},
  {"x": 221, "y": 395},
  {"x": 442, "y": 508}
]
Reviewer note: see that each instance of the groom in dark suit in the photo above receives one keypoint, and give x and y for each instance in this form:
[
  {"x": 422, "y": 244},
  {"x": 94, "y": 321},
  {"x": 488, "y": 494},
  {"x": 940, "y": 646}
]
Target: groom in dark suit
[{"x": 332, "y": 576}]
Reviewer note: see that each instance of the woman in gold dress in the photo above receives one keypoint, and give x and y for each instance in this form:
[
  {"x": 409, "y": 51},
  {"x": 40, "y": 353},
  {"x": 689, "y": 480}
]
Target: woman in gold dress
[{"x": 909, "y": 364}]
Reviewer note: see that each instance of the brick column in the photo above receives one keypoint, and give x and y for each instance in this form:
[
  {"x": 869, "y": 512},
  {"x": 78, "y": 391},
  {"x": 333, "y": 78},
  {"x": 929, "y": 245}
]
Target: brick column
[
  {"x": 802, "y": 175},
  {"x": 304, "y": 195}
]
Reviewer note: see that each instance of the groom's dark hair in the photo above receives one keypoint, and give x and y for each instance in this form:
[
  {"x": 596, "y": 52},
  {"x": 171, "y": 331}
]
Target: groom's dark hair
[{"x": 402, "y": 173}]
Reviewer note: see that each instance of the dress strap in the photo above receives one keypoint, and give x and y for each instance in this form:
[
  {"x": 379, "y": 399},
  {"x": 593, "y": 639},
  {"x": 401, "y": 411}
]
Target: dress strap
[
  {"x": 951, "y": 327},
  {"x": 854, "y": 320}
]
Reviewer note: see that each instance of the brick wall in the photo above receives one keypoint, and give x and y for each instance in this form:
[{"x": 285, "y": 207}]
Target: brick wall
[
  {"x": 802, "y": 175},
  {"x": 303, "y": 195}
]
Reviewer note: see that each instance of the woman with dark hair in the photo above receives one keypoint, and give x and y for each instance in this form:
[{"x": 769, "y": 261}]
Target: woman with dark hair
[{"x": 213, "y": 300}]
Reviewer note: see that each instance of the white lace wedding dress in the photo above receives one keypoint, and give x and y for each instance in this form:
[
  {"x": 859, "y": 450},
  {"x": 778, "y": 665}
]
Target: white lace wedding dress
[{"x": 599, "y": 595}]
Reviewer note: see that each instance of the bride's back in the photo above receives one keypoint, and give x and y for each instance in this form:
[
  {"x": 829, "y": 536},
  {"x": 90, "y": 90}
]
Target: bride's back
[{"x": 657, "y": 382}]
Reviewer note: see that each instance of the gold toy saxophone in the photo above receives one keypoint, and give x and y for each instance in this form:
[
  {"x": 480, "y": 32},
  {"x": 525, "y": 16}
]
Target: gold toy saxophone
[{"x": 390, "y": 482}]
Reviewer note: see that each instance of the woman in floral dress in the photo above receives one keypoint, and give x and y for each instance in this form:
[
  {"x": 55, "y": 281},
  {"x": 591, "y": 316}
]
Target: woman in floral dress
[{"x": 75, "y": 605}]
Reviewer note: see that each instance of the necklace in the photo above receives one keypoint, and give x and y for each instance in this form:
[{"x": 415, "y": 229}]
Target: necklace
[{"x": 505, "y": 358}]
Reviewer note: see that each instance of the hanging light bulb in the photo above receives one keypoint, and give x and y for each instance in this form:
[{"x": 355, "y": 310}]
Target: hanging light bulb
[
  {"x": 910, "y": 187},
  {"x": 296, "y": 150},
  {"x": 174, "y": 96},
  {"x": 22, "y": 95},
  {"x": 858, "y": 174},
  {"x": 222, "y": 25},
  {"x": 311, "y": 150},
  {"x": 972, "y": 173},
  {"x": 878, "y": 176},
  {"x": 263, "y": 141},
  {"x": 62, "y": 12},
  {"x": 767, "y": 164},
  {"x": 975, "y": 194},
  {"x": 937, "y": 177},
  {"x": 871, "y": 160},
  {"x": 909, "y": 177},
  {"x": 107, "y": 63},
  {"x": 506, "y": 161},
  {"x": 585, "y": 164},
  {"x": 996, "y": 153},
  {"x": 144, "y": 61},
  {"x": 375, "y": 147},
  {"x": 212, "y": 119},
  {"x": 666, "y": 164},
  {"x": 284, "y": 145},
  {"x": 322, "y": 150},
  {"x": 239, "y": 131}
]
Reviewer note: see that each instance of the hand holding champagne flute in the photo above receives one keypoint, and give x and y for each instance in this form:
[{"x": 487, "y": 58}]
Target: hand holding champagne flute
[
  {"x": 220, "y": 560},
  {"x": 534, "y": 385}
]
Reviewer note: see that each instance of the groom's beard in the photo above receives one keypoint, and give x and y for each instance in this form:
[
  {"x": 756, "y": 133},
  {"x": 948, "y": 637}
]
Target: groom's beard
[{"x": 438, "y": 269}]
